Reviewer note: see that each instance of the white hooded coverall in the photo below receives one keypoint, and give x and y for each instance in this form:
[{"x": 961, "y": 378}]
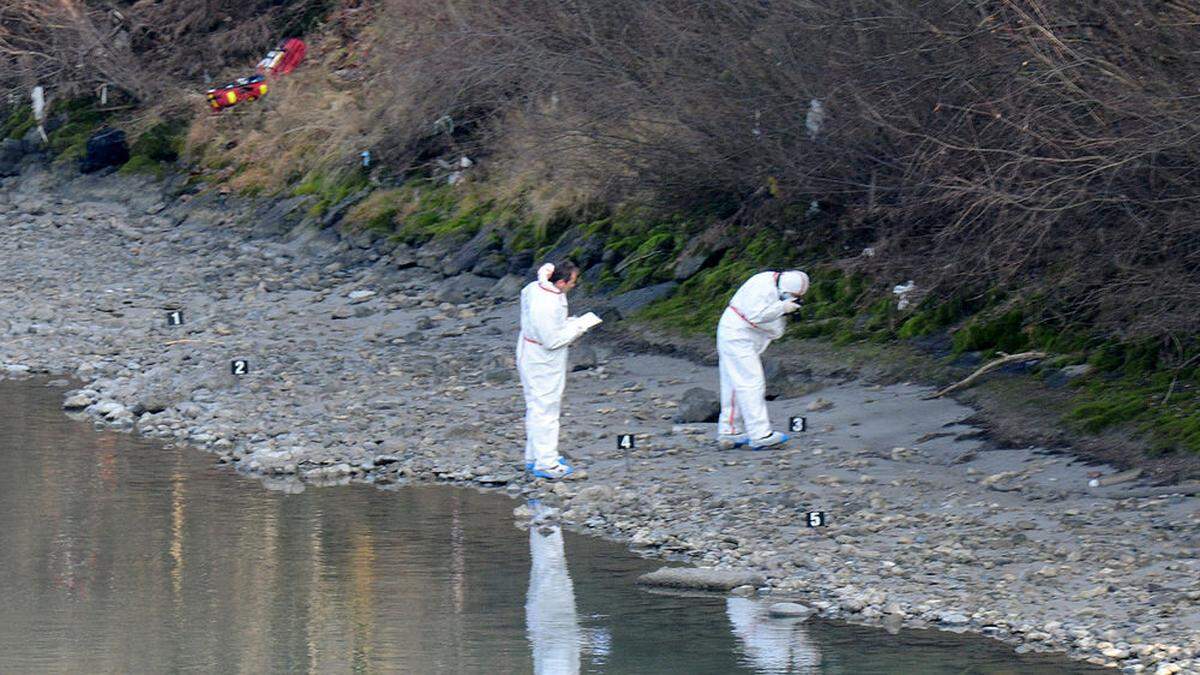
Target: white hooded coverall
[
  {"x": 542, "y": 364},
  {"x": 752, "y": 320}
]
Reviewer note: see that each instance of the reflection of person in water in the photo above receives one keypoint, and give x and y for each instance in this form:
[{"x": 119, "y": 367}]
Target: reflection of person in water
[
  {"x": 550, "y": 616},
  {"x": 772, "y": 645}
]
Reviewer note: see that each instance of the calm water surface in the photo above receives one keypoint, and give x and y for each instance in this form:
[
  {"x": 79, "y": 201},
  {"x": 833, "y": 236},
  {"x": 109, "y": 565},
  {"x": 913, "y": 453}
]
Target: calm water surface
[{"x": 120, "y": 556}]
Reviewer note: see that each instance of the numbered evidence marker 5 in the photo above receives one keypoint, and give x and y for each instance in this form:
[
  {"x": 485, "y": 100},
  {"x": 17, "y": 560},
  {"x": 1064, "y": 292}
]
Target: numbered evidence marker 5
[
  {"x": 797, "y": 424},
  {"x": 239, "y": 366},
  {"x": 815, "y": 519},
  {"x": 625, "y": 442},
  {"x": 175, "y": 318}
]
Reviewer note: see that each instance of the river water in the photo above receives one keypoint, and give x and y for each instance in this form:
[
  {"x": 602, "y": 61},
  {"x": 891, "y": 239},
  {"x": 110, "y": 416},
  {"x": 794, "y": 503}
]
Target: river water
[{"x": 120, "y": 555}]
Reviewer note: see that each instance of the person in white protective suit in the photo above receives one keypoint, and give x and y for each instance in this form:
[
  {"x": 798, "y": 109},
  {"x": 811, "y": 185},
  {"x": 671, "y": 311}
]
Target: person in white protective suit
[
  {"x": 754, "y": 318},
  {"x": 551, "y": 619},
  {"x": 773, "y": 645},
  {"x": 546, "y": 330}
]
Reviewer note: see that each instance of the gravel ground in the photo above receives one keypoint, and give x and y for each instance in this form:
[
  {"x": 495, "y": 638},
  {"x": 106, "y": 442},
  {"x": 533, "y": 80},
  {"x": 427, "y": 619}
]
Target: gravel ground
[{"x": 362, "y": 367}]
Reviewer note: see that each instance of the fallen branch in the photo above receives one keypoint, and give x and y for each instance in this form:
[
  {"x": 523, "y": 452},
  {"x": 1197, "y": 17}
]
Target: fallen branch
[{"x": 986, "y": 368}]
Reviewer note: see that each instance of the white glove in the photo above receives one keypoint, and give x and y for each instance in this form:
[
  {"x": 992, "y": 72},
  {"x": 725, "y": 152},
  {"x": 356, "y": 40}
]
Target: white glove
[
  {"x": 545, "y": 271},
  {"x": 790, "y": 306}
]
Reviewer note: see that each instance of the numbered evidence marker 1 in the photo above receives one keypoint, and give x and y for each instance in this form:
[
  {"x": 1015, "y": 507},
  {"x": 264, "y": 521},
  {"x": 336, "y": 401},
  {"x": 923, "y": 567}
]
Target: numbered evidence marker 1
[
  {"x": 625, "y": 442},
  {"x": 815, "y": 519},
  {"x": 797, "y": 424},
  {"x": 175, "y": 317},
  {"x": 239, "y": 366}
]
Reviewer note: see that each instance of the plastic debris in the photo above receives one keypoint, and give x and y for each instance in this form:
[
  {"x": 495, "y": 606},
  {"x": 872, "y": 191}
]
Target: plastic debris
[
  {"x": 902, "y": 291},
  {"x": 815, "y": 119}
]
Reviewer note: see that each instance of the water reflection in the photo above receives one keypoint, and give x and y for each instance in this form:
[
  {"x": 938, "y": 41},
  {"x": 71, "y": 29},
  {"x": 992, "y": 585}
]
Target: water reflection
[
  {"x": 773, "y": 645},
  {"x": 550, "y": 616},
  {"x": 120, "y": 555}
]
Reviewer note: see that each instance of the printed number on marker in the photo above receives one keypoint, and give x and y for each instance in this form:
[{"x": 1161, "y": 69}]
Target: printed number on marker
[
  {"x": 815, "y": 518},
  {"x": 239, "y": 367},
  {"x": 175, "y": 318},
  {"x": 625, "y": 441},
  {"x": 797, "y": 424}
]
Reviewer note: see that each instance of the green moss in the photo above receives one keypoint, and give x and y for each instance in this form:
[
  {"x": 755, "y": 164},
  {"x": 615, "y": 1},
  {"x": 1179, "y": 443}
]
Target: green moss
[
  {"x": 143, "y": 164},
  {"x": 1132, "y": 359},
  {"x": 69, "y": 142},
  {"x": 430, "y": 212},
  {"x": 993, "y": 333},
  {"x": 1141, "y": 402},
  {"x": 329, "y": 188},
  {"x": 161, "y": 143},
  {"x": 17, "y": 121}
]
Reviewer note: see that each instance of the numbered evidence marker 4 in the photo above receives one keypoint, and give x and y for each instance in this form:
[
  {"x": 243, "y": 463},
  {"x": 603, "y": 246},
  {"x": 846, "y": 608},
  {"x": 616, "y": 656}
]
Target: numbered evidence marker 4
[
  {"x": 625, "y": 442},
  {"x": 815, "y": 519},
  {"x": 175, "y": 317},
  {"x": 239, "y": 366},
  {"x": 797, "y": 424}
]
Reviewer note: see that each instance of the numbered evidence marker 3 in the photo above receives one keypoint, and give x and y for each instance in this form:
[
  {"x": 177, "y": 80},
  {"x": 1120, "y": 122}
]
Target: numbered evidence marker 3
[
  {"x": 797, "y": 424},
  {"x": 239, "y": 366},
  {"x": 175, "y": 318},
  {"x": 625, "y": 442},
  {"x": 815, "y": 519}
]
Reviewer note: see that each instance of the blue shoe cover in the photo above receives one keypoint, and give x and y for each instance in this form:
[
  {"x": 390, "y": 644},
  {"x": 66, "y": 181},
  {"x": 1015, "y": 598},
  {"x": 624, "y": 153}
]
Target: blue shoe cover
[
  {"x": 776, "y": 438},
  {"x": 567, "y": 471}
]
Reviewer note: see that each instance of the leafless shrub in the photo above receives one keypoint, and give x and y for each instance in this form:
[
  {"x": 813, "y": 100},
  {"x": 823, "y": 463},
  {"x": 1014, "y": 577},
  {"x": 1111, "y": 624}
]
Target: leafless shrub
[
  {"x": 142, "y": 47},
  {"x": 1045, "y": 147}
]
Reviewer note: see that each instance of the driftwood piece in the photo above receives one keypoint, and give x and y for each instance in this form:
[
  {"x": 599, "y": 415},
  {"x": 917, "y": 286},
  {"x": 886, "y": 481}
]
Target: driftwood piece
[
  {"x": 1116, "y": 478},
  {"x": 1160, "y": 491},
  {"x": 987, "y": 368}
]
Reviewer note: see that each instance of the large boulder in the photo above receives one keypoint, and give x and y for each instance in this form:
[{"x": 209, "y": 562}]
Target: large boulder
[
  {"x": 336, "y": 212},
  {"x": 698, "y": 405},
  {"x": 508, "y": 287},
  {"x": 281, "y": 216},
  {"x": 784, "y": 383},
  {"x": 520, "y": 263},
  {"x": 105, "y": 148},
  {"x": 436, "y": 252},
  {"x": 469, "y": 254},
  {"x": 494, "y": 265},
  {"x": 463, "y": 288},
  {"x": 626, "y": 304},
  {"x": 11, "y": 153},
  {"x": 704, "y": 579},
  {"x": 695, "y": 258},
  {"x": 583, "y": 357}
]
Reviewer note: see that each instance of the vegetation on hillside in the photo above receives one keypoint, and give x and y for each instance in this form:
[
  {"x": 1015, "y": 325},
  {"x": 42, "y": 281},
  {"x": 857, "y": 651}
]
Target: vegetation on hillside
[{"x": 1031, "y": 166}]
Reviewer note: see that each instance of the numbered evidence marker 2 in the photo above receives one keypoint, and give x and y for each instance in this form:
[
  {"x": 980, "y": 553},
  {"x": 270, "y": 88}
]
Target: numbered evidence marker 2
[
  {"x": 175, "y": 317},
  {"x": 239, "y": 366},
  {"x": 815, "y": 519},
  {"x": 797, "y": 424},
  {"x": 625, "y": 442}
]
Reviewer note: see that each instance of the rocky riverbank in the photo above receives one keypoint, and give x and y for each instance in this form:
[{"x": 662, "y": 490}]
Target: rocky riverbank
[{"x": 363, "y": 363}]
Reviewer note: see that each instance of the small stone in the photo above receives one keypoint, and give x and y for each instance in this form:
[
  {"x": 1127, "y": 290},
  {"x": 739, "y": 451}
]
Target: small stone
[
  {"x": 77, "y": 402},
  {"x": 789, "y": 609},
  {"x": 953, "y": 618},
  {"x": 819, "y": 405},
  {"x": 701, "y": 578}
]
